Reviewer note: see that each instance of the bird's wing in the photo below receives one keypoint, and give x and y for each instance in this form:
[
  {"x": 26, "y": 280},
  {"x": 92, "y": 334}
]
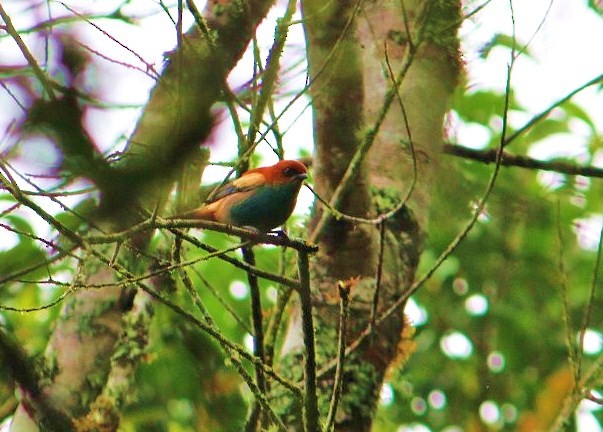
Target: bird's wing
[{"x": 244, "y": 183}]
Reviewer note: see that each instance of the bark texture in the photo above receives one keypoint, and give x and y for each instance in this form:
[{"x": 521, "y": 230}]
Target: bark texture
[{"x": 349, "y": 46}]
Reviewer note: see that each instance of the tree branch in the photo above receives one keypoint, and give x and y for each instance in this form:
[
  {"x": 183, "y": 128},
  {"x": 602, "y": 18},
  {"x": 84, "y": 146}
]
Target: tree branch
[{"x": 508, "y": 159}]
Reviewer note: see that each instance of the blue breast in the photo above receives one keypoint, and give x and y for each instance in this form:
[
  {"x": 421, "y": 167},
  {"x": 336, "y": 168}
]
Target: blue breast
[{"x": 267, "y": 208}]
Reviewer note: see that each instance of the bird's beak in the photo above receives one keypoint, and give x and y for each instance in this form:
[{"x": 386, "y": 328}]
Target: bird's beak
[{"x": 301, "y": 177}]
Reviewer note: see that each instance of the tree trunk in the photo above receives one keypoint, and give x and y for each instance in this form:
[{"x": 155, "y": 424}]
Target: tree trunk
[{"x": 360, "y": 128}]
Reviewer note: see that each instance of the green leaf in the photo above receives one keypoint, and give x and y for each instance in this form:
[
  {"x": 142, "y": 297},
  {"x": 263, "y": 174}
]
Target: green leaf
[
  {"x": 480, "y": 106},
  {"x": 545, "y": 128},
  {"x": 503, "y": 41},
  {"x": 596, "y": 6},
  {"x": 25, "y": 254},
  {"x": 575, "y": 111}
]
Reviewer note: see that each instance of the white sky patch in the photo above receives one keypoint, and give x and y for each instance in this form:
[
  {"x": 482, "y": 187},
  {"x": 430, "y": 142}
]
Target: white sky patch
[
  {"x": 588, "y": 405},
  {"x": 386, "y": 395},
  {"x": 588, "y": 231},
  {"x": 416, "y": 313},
  {"x": 593, "y": 341},
  {"x": 248, "y": 342},
  {"x": 473, "y": 135}
]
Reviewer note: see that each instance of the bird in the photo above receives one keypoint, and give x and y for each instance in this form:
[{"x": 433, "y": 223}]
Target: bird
[{"x": 262, "y": 199}]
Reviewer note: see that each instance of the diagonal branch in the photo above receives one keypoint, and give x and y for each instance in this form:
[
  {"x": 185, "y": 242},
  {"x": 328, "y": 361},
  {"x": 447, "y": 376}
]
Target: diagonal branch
[{"x": 37, "y": 70}]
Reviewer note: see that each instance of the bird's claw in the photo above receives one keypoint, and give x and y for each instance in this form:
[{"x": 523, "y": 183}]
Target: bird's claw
[
  {"x": 252, "y": 229},
  {"x": 279, "y": 233}
]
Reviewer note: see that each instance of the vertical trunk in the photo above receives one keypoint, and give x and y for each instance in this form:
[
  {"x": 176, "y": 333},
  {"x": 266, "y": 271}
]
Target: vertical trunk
[{"x": 356, "y": 107}]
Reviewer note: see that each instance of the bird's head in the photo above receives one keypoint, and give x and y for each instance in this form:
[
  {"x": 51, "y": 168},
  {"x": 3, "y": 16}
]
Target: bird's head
[{"x": 284, "y": 172}]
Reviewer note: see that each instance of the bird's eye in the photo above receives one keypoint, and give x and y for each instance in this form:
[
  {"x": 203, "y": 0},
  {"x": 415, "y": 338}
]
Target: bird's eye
[{"x": 289, "y": 172}]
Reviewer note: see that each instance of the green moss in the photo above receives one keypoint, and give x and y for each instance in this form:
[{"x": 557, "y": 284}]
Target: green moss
[
  {"x": 281, "y": 399},
  {"x": 385, "y": 199},
  {"x": 360, "y": 376},
  {"x": 48, "y": 368},
  {"x": 87, "y": 324},
  {"x": 445, "y": 17},
  {"x": 397, "y": 36}
]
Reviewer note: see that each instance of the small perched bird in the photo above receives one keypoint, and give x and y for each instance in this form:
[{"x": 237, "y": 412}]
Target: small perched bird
[{"x": 262, "y": 198}]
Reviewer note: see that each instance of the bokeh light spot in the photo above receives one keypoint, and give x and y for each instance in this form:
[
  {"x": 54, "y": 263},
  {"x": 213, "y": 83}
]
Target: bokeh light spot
[
  {"x": 476, "y": 305},
  {"x": 437, "y": 399},
  {"x": 272, "y": 294},
  {"x": 489, "y": 412},
  {"x": 239, "y": 290},
  {"x": 456, "y": 345},
  {"x": 460, "y": 286},
  {"x": 496, "y": 361},
  {"x": 509, "y": 412},
  {"x": 418, "y": 405}
]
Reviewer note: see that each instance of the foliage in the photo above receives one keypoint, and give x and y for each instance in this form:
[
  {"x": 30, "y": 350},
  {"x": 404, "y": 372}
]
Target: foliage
[{"x": 520, "y": 277}]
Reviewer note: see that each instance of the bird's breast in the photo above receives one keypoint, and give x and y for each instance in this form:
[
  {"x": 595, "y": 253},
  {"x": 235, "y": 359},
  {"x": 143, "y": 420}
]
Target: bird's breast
[{"x": 266, "y": 208}]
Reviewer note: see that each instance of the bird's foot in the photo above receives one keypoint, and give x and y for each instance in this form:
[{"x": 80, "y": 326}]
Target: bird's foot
[
  {"x": 279, "y": 233},
  {"x": 252, "y": 229}
]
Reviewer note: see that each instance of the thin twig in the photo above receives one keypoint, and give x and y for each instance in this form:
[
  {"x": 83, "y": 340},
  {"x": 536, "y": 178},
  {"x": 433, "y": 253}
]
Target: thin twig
[
  {"x": 261, "y": 397},
  {"x": 569, "y": 338},
  {"x": 58, "y": 257},
  {"x": 188, "y": 284},
  {"x": 256, "y": 316},
  {"x": 255, "y": 386},
  {"x": 237, "y": 263},
  {"x": 214, "y": 226},
  {"x": 275, "y": 322},
  {"x": 591, "y": 300},
  {"x": 344, "y": 297},
  {"x": 270, "y": 74},
  {"x": 379, "y": 274},
  {"x": 310, "y": 412},
  {"x": 210, "y": 330},
  {"x": 589, "y": 380},
  {"x": 547, "y": 111},
  {"x": 149, "y": 66},
  {"x": 222, "y": 301},
  {"x": 37, "y": 70}
]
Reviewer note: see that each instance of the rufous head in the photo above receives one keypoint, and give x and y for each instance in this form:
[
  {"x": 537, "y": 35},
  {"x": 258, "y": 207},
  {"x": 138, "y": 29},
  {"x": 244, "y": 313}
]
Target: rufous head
[{"x": 285, "y": 171}]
